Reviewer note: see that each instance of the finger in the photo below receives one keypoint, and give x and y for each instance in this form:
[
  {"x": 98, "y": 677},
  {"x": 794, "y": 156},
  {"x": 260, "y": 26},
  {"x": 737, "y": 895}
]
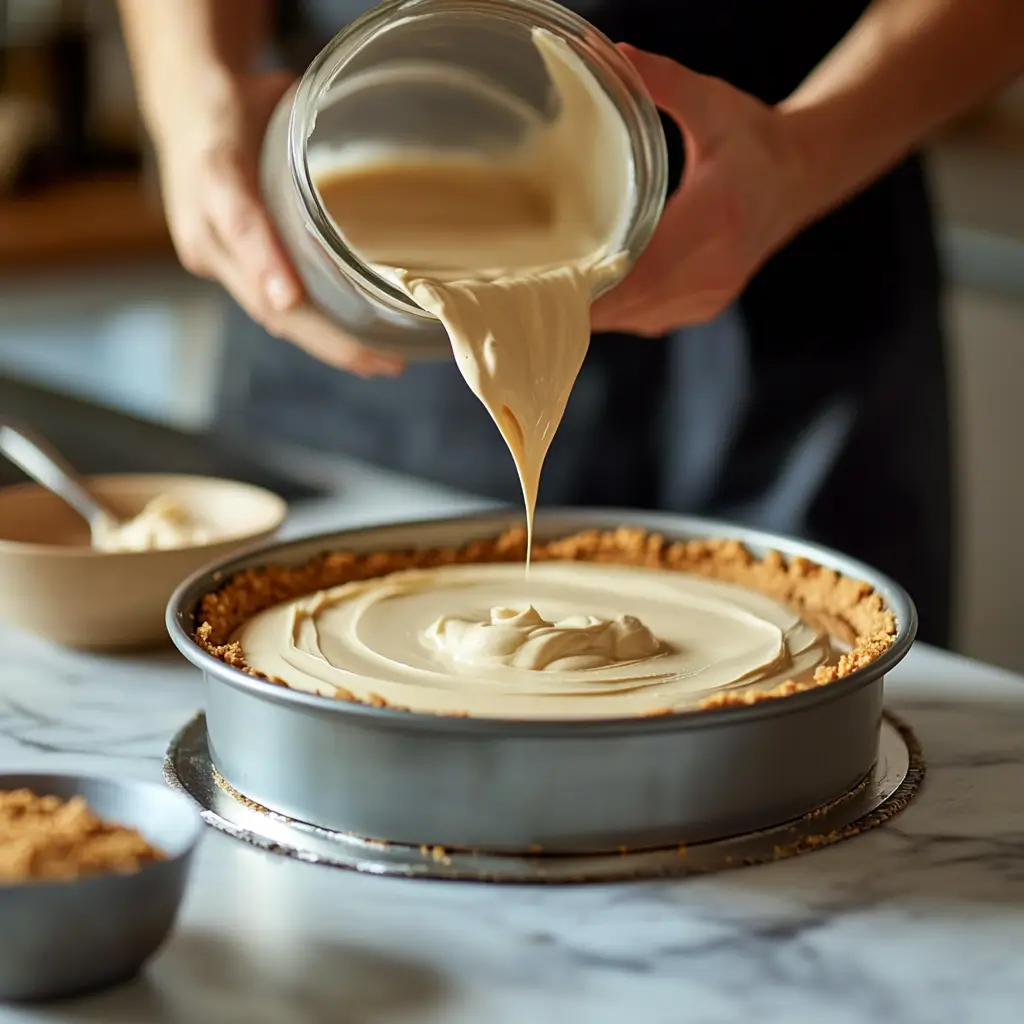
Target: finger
[
  {"x": 658, "y": 321},
  {"x": 266, "y": 91},
  {"x": 696, "y": 212},
  {"x": 694, "y": 262},
  {"x": 676, "y": 301},
  {"x": 657, "y": 277},
  {"x": 307, "y": 328},
  {"x": 238, "y": 209},
  {"x": 192, "y": 243},
  {"x": 689, "y": 260},
  {"x": 243, "y": 229},
  {"x": 311, "y": 331},
  {"x": 683, "y": 94},
  {"x": 671, "y": 272}
]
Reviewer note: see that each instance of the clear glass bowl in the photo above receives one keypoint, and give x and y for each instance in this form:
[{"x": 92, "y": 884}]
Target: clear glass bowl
[{"x": 494, "y": 88}]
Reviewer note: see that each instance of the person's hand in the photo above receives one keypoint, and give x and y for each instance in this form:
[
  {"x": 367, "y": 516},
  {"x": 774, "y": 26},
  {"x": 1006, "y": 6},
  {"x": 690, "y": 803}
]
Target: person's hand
[
  {"x": 740, "y": 199},
  {"x": 207, "y": 147}
]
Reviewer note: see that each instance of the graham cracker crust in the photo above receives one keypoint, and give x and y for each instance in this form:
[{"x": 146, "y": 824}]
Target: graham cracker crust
[
  {"x": 850, "y": 609},
  {"x": 45, "y": 838}
]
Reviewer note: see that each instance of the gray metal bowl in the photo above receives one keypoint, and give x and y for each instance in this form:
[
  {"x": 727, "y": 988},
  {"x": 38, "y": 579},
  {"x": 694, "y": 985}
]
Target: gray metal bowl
[
  {"x": 59, "y": 939},
  {"x": 516, "y": 786}
]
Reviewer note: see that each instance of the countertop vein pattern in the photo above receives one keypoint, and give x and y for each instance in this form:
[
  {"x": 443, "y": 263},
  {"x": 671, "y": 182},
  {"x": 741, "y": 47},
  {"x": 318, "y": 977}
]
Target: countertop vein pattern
[{"x": 921, "y": 921}]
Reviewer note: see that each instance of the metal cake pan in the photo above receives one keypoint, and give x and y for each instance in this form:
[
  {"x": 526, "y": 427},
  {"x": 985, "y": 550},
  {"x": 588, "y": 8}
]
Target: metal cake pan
[{"x": 563, "y": 787}]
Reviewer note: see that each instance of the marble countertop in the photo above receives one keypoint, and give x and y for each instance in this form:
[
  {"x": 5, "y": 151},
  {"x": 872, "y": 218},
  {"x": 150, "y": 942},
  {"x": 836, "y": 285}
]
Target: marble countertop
[{"x": 921, "y": 921}]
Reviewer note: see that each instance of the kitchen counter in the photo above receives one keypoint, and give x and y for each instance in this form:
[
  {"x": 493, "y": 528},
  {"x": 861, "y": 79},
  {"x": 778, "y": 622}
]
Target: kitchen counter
[
  {"x": 921, "y": 921},
  {"x": 115, "y": 220}
]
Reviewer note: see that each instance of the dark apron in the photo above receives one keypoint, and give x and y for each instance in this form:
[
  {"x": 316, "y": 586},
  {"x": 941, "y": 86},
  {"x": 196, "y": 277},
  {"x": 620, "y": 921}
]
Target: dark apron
[{"x": 816, "y": 406}]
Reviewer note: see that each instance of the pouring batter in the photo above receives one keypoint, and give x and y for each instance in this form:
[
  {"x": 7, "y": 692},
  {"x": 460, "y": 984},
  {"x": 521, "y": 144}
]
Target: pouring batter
[{"x": 508, "y": 253}]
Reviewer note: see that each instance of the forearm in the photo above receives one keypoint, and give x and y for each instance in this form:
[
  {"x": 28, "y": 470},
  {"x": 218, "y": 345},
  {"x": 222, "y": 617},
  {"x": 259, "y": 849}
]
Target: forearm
[
  {"x": 188, "y": 50},
  {"x": 905, "y": 68}
]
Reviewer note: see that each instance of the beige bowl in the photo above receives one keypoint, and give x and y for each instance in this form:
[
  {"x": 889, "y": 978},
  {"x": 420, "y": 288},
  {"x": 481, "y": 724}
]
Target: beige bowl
[{"x": 54, "y": 584}]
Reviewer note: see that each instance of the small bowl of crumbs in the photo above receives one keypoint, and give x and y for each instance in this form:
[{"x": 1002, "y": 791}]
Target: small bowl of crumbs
[
  {"x": 109, "y": 591},
  {"x": 92, "y": 872}
]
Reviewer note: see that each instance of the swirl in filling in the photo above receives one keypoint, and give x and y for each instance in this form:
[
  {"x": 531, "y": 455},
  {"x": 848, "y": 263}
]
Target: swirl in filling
[{"x": 574, "y": 640}]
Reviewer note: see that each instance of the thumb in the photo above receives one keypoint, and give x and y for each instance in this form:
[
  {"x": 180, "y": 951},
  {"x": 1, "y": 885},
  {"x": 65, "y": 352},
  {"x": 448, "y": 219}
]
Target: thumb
[
  {"x": 237, "y": 207},
  {"x": 246, "y": 235},
  {"x": 675, "y": 89},
  {"x": 266, "y": 93}
]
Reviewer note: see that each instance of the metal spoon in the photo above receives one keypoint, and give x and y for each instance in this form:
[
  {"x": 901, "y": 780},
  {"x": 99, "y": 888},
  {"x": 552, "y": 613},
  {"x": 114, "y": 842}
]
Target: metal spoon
[{"x": 41, "y": 461}]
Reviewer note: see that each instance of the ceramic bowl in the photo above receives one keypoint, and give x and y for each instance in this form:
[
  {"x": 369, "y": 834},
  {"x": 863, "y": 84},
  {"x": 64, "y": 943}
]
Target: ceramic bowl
[
  {"x": 53, "y": 584},
  {"x": 64, "y": 938}
]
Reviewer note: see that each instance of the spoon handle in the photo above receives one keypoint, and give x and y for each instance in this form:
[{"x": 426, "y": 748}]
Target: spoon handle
[{"x": 41, "y": 461}]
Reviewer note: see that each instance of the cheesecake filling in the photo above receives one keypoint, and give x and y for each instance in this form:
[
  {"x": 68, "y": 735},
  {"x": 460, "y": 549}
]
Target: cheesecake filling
[
  {"x": 523, "y": 638},
  {"x": 554, "y": 646}
]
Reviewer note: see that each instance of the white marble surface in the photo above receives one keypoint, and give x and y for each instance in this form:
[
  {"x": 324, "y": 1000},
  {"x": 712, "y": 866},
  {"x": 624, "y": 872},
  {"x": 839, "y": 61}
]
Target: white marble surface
[{"x": 921, "y": 921}]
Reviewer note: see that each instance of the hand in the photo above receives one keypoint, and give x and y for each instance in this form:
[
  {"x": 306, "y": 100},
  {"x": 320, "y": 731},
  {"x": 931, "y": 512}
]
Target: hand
[
  {"x": 208, "y": 151},
  {"x": 740, "y": 199}
]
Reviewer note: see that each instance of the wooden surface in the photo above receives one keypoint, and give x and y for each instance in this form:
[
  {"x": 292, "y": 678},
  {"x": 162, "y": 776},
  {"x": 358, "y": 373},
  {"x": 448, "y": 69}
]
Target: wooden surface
[{"x": 110, "y": 220}]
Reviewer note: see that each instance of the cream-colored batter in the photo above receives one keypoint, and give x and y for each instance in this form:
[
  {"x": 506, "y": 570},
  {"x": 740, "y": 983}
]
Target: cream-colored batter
[
  {"x": 495, "y": 653},
  {"x": 523, "y": 638},
  {"x": 162, "y": 524},
  {"x": 508, "y": 251}
]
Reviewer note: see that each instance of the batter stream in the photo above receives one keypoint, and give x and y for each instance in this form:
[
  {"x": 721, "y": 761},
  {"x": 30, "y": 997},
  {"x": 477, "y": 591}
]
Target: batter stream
[{"x": 508, "y": 251}]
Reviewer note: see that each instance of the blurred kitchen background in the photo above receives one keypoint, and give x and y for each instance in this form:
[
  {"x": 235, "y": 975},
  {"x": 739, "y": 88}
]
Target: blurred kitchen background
[{"x": 111, "y": 349}]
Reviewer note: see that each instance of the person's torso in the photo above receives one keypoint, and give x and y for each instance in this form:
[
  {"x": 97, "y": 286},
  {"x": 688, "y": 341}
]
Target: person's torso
[{"x": 764, "y": 47}]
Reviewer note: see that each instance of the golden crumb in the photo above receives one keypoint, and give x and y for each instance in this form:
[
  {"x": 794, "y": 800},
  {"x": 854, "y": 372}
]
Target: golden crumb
[
  {"x": 848, "y": 608},
  {"x": 44, "y": 838},
  {"x": 658, "y": 713},
  {"x": 240, "y": 797}
]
